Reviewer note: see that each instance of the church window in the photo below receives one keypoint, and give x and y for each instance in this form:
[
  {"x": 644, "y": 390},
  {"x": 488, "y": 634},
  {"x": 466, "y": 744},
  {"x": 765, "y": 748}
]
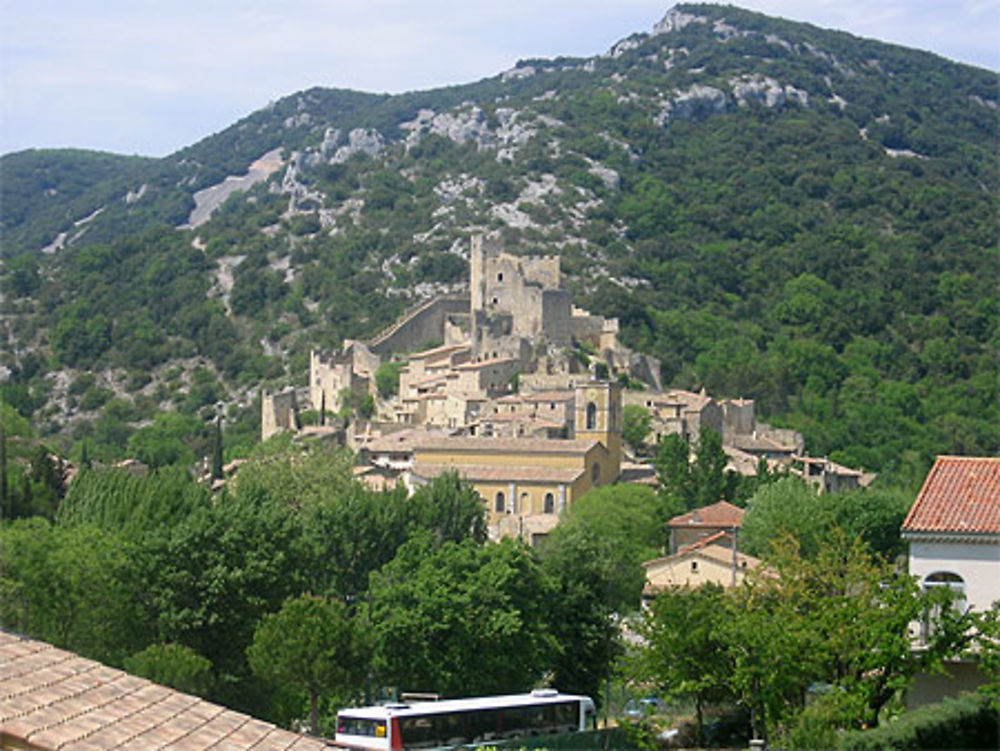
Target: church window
[
  {"x": 595, "y": 473},
  {"x": 499, "y": 276},
  {"x": 591, "y": 416},
  {"x": 499, "y": 504},
  {"x": 550, "y": 503}
]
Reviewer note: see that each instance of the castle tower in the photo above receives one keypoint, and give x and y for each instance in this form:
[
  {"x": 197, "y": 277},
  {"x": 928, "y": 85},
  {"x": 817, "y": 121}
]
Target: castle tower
[{"x": 597, "y": 416}]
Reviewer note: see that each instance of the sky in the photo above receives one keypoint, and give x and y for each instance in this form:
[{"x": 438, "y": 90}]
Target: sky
[{"x": 151, "y": 76}]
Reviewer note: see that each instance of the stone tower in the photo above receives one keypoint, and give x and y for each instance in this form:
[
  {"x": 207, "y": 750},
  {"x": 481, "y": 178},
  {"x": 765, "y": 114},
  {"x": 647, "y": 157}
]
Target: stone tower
[{"x": 597, "y": 416}]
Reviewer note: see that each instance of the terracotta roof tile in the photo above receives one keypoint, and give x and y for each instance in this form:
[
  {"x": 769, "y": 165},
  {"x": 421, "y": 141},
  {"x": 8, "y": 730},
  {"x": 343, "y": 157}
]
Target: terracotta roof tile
[
  {"x": 508, "y": 445},
  {"x": 720, "y": 514},
  {"x": 53, "y": 699},
  {"x": 960, "y": 494}
]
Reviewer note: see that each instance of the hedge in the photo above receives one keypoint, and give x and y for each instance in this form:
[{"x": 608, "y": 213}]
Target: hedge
[{"x": 968, "y": 722}]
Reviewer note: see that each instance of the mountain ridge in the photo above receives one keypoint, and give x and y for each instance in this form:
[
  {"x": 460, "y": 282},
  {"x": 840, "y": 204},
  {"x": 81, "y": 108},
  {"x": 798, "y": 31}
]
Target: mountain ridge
[{"x": 816, "y": 203}]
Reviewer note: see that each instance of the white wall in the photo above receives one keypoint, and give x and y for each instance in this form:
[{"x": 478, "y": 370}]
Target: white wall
[{"x": 977, "y": 564}]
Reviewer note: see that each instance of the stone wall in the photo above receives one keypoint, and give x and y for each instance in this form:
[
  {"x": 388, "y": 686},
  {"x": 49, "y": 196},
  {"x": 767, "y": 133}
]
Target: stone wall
[
  {"x": 277, "y": 412},
  {"x": 423, "y": 324}
]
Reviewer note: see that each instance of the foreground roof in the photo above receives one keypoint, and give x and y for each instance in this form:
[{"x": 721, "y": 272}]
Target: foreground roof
[
  {"x": 53, "y": 699},
  {"x": 960, "y": 494}
]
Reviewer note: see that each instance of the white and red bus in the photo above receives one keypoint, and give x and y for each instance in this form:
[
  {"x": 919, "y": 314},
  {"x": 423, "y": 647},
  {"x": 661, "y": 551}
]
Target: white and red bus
[{"x": 452, "y": 723}]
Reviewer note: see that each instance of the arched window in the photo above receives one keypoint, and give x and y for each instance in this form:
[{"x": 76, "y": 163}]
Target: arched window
[
  {"x": 550, "y": 503},
  {"x": 947, "y": 579},
  {"x": 498, "y": 504},
  {"x": 524, "y": 506},
  {"x": 952, "y": 581},
  {"x": 499, "y": 276},
  {"x": 591, "y": 416},
  {"x": 595, "y": 473}
]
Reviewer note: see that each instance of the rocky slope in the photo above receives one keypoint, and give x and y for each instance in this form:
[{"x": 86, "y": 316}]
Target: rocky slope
[{"x": 773, "y": 209}]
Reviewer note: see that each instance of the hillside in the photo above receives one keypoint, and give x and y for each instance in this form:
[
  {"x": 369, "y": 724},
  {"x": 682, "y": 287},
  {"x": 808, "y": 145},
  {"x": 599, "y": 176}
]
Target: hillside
[{"x": 774, "y": 210}]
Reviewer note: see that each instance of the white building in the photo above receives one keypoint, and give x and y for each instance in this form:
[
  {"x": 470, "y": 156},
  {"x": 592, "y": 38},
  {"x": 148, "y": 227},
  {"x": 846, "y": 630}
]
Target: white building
[{"x": 953, "y": 530}]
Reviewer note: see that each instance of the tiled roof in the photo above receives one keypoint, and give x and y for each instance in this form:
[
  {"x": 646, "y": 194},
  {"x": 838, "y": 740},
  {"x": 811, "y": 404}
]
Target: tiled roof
[
  {"x": 508, "y": 445},
  {"x": 720, "y": 514},
  {"x": 502, "y": 473},
  {"x": 403, "y": 440},
  {"x": 53, "y": 699},
  {"x": 550, "y": 396},
  {"x": 689, "y": 399},
  {"x": 437, "y": 351},
  {"x": 961, "y": 494},
  {"x": 751, "y": 443},
  {"x": 484, "y": 363}
]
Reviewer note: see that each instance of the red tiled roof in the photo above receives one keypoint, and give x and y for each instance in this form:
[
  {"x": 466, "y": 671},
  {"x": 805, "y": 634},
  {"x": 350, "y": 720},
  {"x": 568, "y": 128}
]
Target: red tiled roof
[
  {"x": 960, "y": 494},
  {"x": 53, "y": 699},
  {"x": 721, "y": 514}
]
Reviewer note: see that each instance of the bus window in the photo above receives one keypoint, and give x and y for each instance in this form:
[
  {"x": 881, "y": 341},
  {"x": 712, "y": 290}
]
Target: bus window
[
  {"x": 452, "y": 728},
  {"x": 419, "y": 732},
  {"x": 358, "y": 726},
  {"x": 482, "y": 726},
  {"x": 512, "y": 722}
]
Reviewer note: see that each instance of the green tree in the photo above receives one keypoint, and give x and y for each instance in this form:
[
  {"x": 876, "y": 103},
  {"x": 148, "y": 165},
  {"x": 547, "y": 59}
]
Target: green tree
[
  {"x": 170, "y": 439},
  {"x": 217, "y": 450},
  {"x": 4, "y": 477},
  {"x": 685, "y": 483},
  {"x": 635, "y": 426},
  {"x": 173, "y": 665},
  {"x": 462, "y": 619},
  {"x": 387, "y": 378},
  {"x": 79, "y": 588},
  {"x": 685, "y": 654},
  {"x": 449, "y": 508},
  {"x": 311, "y": 645},
  {"x": 787, "y": 507}
]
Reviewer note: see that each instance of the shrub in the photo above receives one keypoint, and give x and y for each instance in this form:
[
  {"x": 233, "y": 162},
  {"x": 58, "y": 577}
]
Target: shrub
[{"x": 966, "y": 722}]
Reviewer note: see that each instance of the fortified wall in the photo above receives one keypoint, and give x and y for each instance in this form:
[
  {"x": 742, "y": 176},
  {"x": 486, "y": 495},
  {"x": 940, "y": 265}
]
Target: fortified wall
[{"x": 422, "y": 324}]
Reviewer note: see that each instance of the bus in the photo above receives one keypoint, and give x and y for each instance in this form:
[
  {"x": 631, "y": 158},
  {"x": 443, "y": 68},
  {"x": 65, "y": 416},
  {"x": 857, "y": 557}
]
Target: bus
[{"x": 465, "y": 723}]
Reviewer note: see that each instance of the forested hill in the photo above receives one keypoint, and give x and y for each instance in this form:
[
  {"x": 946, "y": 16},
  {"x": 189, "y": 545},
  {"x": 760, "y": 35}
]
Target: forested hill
[{"x": 775, "y": 210}]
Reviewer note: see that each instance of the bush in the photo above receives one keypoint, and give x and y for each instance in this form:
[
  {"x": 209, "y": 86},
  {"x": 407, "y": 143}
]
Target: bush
[{"x": 966, "y": 722}]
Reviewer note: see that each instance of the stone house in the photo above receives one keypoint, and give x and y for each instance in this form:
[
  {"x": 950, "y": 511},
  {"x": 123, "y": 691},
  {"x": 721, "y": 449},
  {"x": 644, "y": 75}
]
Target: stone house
[
  {"x": 700, "y": 523},
  {"x": 711, "y": 559}
]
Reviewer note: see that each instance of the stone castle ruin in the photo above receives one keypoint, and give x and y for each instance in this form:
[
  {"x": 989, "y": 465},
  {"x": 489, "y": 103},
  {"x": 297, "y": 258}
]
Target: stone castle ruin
[{"x": 517, "y": 320}]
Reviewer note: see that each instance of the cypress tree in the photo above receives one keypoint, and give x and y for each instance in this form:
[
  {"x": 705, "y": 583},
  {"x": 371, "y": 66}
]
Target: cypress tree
[
  {"x": 4, "y": 482},
  {"x": 217, "y": 450}
]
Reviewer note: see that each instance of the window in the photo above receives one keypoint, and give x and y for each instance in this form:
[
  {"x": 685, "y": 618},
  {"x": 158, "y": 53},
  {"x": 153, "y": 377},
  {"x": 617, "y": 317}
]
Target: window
[
  {"x": 499, "y": 276},
  {"x": 694, "y": 567},
  {"x": 591, "y": 416},
  {"x": 952, "y": 581},
  {"x": 499, "y": 505},
  {"x": 550, "y": 503},
  {"x": 595, "y": 473},
  {"x": 525, "y": 503}
]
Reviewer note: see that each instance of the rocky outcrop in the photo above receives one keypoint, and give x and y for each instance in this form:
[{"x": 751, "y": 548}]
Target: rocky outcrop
[
  {"x": 764, "y": 90},
  {"x": 697, "y": 103},
  {"x": 359, "y": 141},
  {"x": 675, "y": 20}
]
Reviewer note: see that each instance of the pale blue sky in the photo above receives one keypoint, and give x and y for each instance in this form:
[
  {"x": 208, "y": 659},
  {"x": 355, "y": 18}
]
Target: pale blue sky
[{"x": 150, "y": 76}]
